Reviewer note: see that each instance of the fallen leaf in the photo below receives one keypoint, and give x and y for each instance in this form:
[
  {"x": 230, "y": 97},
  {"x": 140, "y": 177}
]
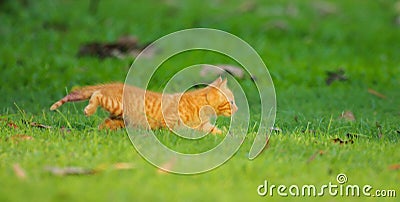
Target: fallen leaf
[
  {"x": 325, "y": 8},
  {"x": 124, "y": 46},
  {"x": 247, "y": 6},
  {"x": 38, "y": 125},
  {"x": 394, "y": 167},
  {"x": 348, "y": 116},
  {"x": 20, "y": 137},
  {"x": 12, "y": 125},
  {"x": 335, "y": 76},
  {"x": 166, "y": 166},
  {"x": 69, "y": 171},
  {"x": 123, "y": 166},
  {"x": 34, "y": 124},
  {"x": 312, "y": 157},
  {"x": 19, "y": 172},
  {"x": 230, "y": 69},
  {"x": 116, "y": 166},
  {"x": 376, "y": 93},
  {"x": 281, "y": 25}
]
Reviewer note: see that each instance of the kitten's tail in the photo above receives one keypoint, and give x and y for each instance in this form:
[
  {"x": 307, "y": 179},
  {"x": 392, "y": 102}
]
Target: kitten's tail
[{"x": 77, "y": 95}]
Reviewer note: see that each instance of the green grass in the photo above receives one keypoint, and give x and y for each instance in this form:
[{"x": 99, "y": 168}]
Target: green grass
[{"x": 298, "y": 40}]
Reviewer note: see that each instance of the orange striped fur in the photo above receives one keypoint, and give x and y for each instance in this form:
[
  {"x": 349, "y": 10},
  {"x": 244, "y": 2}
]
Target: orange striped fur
[{"x": 193, "y": 108}]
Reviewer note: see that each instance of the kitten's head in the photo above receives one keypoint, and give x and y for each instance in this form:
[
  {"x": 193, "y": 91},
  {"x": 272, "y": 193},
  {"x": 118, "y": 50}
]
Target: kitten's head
[{"x": 221, "y": 98}]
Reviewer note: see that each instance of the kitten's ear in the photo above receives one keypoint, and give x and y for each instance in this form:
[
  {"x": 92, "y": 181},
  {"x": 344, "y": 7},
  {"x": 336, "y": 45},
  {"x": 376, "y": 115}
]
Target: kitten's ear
[
  {"x": 217, "y": 82},
  {"x": 223, "y": 83}
]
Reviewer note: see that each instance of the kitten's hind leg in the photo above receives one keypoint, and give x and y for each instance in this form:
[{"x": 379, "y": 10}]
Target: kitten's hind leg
[
  {"x": 94, "y": 102},
  {"x": 112, "y": 123}
]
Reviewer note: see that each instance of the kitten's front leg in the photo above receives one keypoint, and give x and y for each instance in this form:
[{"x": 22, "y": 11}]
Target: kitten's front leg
[
  {"x": 208, "y": 127},
  {"x": 93, "y": 103}
]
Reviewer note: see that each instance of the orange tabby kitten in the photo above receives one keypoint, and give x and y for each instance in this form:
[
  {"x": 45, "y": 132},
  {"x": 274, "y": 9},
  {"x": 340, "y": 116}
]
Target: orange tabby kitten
[{"x": 193, "y": 108}]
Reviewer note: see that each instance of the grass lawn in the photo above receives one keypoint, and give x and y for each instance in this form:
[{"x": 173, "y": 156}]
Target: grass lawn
[{"x": 300, "y": 41}]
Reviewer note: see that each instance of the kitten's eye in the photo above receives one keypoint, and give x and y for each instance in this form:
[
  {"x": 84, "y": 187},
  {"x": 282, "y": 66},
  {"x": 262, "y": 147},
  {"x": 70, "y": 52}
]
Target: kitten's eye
[{"x": 231, "y": 102}]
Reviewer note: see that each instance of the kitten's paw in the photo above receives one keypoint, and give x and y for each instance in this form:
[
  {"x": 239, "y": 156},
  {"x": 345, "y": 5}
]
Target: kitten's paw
[
  {"x": 216, "y": 131},
  {"x": 89, "y": 110}
]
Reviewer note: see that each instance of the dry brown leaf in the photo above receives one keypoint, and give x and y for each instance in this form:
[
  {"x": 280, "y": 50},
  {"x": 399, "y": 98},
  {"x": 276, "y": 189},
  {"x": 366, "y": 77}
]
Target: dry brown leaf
[
  {"x": 19, "y": 172},
  {"x": 38, "y": 125},
  {"x": 247, "y": 6},
  {"x": 34, "y": 124},
  {"x": 376, "y": 93},
  {"x": 166, "y": 166},
  {"x": 233, "y": 70},
  {"x": 69, "y": 171},
  {"x": 277, "y": 25},
  {"x": 123, "y": 47},
  {"x": 123, "y": 166},
  {"x": 348, "y": 116},
  {"x": 116, "y": 166},
  {"x": 335, "y": 76},
  {"x": 12, "y": 125},
  {"x": 394, "y": 166},
  {"x": 325, "y": 8},
  {"x": 312, "y": 157},
  {"x": 19, "y": 137}
]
